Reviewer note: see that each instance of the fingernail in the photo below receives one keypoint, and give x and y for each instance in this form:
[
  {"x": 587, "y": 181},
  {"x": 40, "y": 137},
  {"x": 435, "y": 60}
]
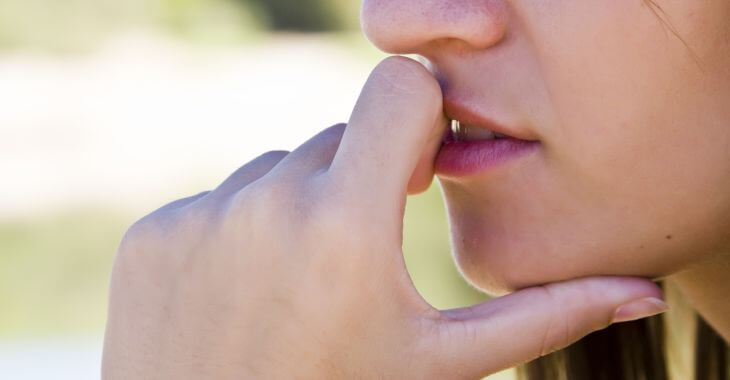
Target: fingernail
[{"x": 641, "y": 308}]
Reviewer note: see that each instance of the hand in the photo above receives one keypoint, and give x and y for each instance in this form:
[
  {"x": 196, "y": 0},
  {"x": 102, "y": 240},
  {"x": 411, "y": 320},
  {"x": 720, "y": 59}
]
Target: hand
[{"x": 293, "y": 268}]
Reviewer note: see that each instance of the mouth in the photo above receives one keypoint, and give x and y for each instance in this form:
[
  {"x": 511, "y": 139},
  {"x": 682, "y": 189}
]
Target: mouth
[
  {"x": 475, "y": 144},
  {"x": 461, "y": 132},
  {"x": 469, "y": 125}
]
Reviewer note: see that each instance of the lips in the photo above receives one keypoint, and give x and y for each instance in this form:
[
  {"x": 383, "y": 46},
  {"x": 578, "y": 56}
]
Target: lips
[{"x": 476, "y": 144}]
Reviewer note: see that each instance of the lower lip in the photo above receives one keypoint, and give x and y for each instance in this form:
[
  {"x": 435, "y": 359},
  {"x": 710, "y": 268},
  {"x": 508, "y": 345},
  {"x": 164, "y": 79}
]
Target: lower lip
[{"x": 464, "y": 158}]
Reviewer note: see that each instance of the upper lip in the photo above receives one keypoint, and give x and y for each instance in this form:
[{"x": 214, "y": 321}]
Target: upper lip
[{"x": 455, "y": 110}]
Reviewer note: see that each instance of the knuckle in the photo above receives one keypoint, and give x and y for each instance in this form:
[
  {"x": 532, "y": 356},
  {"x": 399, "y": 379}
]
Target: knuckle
[
  {"x": 557, "y": 331},
  {"x": 144, "y": 230},
  {"x": 331, "y": 137},
  {"x": 194, "y": 219},
  {"x": 144, "y": 255},
  {"x": 141, "y": 238},
  {"x": 262, "y": 201},
  {"x": 260, "y": 165},
  {"x": 159, "y": 248},
  {"x": 335, "y": 132},
  {"x": 149, "y": 239},
  {"x": 272, "y": 156},
  {"x": 440, "y": 344}
]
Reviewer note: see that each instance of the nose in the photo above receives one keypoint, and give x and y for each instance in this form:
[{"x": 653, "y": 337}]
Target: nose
[{"x": 414, "y": 26}]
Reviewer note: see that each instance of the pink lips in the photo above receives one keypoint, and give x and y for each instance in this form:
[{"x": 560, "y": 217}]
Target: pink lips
[{"x": 462, "y": 158}]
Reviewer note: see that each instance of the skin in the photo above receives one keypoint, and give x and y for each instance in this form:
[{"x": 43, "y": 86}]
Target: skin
[
  {"x": 264, "y": 277},
  {"x": 630, "y": 102}
]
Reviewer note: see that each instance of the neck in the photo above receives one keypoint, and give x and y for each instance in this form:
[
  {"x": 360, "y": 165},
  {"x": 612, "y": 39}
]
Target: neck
[{"x": 707, "y": 287}]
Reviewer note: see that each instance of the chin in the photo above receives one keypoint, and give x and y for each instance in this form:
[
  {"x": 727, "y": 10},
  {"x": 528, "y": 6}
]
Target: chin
[
  {"x": 496, "y": 265},
  {"x": 501, "y": 266},
  {"x": 489, "y": 276},
  {"x": 501, "y": 247}
]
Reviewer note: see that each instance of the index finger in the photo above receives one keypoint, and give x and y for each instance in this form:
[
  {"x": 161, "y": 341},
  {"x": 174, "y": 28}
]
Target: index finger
[{"x": 398, "y": 117}]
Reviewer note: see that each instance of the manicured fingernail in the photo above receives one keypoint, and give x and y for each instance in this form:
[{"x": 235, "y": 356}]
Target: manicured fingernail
[{"x": 641, "y": 308}]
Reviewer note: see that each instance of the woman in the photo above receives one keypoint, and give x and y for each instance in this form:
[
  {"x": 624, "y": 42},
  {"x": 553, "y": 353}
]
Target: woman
[{"x": 589, "y": 154}]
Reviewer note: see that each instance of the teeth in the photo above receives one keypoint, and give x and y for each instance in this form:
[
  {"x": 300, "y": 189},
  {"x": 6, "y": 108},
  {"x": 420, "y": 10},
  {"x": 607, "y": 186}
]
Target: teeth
[
  {"x": 463, "y": 132},
  {"x": 456, "y": 129}
]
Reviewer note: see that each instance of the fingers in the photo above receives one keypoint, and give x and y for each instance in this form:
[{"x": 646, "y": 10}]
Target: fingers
[
  {"x": 183, "y": 201},
  {"x": 392, "y": 138},
  {"x": 522, "y": 326},
  {"x": 397, "y": 118},
  {"x": 248, "y": 173},
  {"x": 314, "y": 154}
]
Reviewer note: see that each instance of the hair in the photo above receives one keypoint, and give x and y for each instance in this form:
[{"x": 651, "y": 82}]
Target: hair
[{"x": 630, "y": 351}]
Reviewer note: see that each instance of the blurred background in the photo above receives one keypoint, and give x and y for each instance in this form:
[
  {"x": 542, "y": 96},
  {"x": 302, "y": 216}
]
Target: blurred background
[{"x": 109, "y": 109}]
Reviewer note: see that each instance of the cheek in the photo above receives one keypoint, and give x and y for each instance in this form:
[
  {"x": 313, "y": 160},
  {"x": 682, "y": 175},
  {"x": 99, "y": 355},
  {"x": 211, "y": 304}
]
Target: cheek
[{"x": 634, "y": 175}]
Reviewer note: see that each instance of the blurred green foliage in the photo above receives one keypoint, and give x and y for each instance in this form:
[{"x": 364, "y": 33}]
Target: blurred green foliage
[
  {"x": 306, "y": 15},
  {"x": 80, "y": 25},
  {"x": 428, "y": 253},
  {"x": 54, "y": 272}
]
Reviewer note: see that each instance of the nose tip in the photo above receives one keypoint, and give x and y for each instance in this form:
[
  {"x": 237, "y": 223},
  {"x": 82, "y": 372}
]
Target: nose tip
[{"x": 410, "y": 26}]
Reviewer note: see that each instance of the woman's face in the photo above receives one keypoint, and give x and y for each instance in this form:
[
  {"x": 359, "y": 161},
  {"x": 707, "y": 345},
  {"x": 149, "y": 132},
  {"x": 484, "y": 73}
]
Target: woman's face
[{"x": 632, "y": 175}]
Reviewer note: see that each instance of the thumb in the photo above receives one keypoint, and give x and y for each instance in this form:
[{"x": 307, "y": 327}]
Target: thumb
[{"x": 479, "y": 340}]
